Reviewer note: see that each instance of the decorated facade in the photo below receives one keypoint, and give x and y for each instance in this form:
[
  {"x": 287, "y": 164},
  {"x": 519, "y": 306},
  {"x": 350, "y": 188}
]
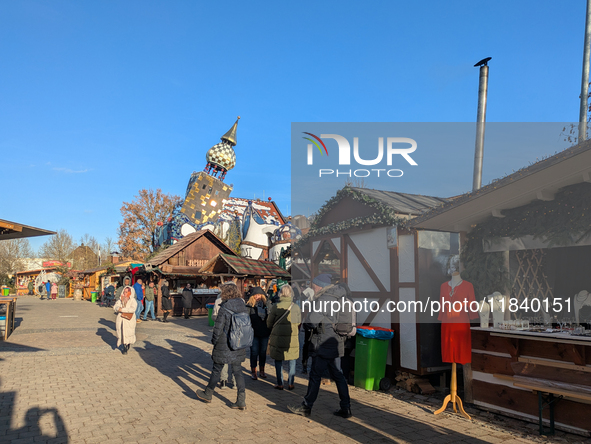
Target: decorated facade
[{"x": 253, "y": 228}]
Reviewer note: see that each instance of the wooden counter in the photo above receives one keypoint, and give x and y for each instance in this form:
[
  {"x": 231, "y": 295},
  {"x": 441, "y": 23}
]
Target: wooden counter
[
  {"x": 7, "y": 324},
  {"x": 497, "y": 353}
]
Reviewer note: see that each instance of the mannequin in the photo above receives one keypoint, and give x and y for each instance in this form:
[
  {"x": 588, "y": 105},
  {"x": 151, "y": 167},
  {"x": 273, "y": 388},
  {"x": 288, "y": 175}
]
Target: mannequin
[
  {"x": 581, "y": 299},
  {"x": 456, "y": 342},
  {"x": 484, "y": 313}
]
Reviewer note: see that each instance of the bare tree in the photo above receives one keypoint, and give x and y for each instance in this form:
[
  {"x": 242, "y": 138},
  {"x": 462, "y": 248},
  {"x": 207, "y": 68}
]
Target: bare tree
[
  {"x": 12, "y": 253},
  {"x": 58, "y": 247},
  {"x": 107, "y": 247}
]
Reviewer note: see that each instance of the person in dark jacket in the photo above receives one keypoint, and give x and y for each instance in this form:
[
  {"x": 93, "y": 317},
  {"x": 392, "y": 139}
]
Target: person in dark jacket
[
  {"x": 257, "y": 304},
  {"x": 187, "y": 300},
  {"x": 166, "y": 302},
  {"x": 326, "y": 346},
  {"x": 222, "y": 354}
]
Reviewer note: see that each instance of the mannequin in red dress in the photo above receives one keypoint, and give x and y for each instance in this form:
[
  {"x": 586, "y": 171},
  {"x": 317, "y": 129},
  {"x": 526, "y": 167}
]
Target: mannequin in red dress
[{"x": 455, "y": 315}]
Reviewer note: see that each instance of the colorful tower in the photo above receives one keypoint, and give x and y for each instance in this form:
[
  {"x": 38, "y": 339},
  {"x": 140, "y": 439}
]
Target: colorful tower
[{"x": 206, "y": 191}]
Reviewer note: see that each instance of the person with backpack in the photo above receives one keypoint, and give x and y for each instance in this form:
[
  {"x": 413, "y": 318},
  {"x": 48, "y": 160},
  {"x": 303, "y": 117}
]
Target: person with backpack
[
  {"x": 284, "y": 321},
  {"x": 232, "y": 336},
  {"x": 329, "y": 330}
]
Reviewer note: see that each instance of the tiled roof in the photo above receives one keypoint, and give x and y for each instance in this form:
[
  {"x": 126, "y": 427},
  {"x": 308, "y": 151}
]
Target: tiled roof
[
  {"x": 244, "y": 266},
  {"x": 267, "y": 209}
]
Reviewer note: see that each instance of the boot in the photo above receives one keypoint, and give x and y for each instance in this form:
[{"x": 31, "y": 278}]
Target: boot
[
  {"x": 240, "y": 402},
  {"x": 305, "y": 367},
  {"x": 223, "y": 385},
  {"x": 124, "y": 350},
  {"x": 302, "y": 409},
  {"x": 262, "y": 373},
  {"x": 343, "y": 413},
  {"x": 254, "y": 373},
  {"x": 201, "y": 394},
  {"x": 165, "y": 316}
]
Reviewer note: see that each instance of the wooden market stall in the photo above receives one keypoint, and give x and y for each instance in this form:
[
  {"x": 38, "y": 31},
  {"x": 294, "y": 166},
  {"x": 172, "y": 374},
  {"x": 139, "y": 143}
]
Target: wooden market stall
[
  {"x": 362, "y": 236},
  {"x": 181, "y": 263},
  {"x": 23, "y": 278},
  {"x": 527, "y": 237}
]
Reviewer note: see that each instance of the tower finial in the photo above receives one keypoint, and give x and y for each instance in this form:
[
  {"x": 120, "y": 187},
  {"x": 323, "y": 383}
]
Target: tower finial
[{"x": 230, "y": 136}]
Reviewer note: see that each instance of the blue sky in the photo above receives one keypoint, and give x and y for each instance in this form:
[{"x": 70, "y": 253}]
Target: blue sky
[{"x": 101, "y": 99}]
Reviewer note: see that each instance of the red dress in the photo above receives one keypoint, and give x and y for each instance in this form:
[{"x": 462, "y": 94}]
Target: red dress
[{"x": 456, "y": 341}]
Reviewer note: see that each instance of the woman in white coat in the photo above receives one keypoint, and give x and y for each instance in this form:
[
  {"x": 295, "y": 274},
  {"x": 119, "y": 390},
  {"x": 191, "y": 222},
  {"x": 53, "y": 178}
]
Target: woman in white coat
[{"x": 125, "y": 327}]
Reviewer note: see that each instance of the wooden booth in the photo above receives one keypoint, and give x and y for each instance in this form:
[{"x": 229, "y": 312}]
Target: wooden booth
[
  {"x": 245, "y": 272},
  {"x": 361, "y": 237},
  {"x": 527, "y": 237},
  {"x": 7, "y": 313},
  {"x": 180, "y": 264}
]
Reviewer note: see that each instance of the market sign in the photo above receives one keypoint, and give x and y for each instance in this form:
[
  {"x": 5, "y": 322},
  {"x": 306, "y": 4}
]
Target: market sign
[{"x": 55, "y": 264}]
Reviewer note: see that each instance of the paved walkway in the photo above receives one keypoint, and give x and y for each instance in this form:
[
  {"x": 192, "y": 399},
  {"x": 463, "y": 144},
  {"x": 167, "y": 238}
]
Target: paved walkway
[{"x": 62, "y": 380}]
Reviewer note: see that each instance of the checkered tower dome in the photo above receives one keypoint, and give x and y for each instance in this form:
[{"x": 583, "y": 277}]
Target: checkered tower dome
[{"x": 222, "y": 155}]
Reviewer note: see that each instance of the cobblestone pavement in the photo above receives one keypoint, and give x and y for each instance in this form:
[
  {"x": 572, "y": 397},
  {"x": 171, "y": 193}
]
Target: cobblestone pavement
[{"x": 62, "y": 380}]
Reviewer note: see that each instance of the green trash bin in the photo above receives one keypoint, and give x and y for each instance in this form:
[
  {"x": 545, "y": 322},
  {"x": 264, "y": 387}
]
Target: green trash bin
[
  {"x": 210, "y": 314},
  {"x": 371, "y": 353},
  {"x": 5, "y": 291},
  {"x": 93, "y": 296}
]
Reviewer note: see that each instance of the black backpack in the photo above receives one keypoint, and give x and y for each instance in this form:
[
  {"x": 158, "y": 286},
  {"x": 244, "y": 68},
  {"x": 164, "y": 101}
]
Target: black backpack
[{"x": 240, "y": 334}]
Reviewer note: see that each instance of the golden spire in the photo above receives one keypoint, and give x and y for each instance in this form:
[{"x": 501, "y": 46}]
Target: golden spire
[{"x": 230, "y": 136}]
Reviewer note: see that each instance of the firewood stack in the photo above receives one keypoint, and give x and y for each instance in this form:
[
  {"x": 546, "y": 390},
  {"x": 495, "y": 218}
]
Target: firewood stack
[{"x": 413, "y": 383}]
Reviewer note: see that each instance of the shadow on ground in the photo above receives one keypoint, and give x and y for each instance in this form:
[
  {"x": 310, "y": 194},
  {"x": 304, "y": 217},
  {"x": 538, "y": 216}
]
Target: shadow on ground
[{"x": 37, "y": 421}]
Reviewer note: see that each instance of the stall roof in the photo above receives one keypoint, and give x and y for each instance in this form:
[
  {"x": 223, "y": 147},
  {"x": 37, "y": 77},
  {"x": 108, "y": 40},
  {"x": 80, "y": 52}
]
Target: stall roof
[
  {"x": 413, "y": 204},
  {"x": 241, "y": 265},
  {"x": 162, "y": 257},
  {"x": 540, "y": 180},
  {"x": 12, "y": 230}
]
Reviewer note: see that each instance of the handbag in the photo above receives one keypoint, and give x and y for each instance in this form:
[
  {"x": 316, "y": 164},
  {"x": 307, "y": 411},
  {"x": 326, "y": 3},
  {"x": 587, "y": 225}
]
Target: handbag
[{"x": 127, "y": 316}]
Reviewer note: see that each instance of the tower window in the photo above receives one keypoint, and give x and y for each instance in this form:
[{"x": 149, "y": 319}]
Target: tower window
[
  {"x": 197, "y": 214},
  {"x": 204, "y": 185},
  {"x": 209, "y": 192}
]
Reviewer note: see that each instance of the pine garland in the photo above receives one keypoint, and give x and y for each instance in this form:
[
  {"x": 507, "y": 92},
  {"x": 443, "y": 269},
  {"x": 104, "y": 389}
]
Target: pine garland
[
  {"x": 385, "y": 215},
  {"x": 562, "y": 221}
]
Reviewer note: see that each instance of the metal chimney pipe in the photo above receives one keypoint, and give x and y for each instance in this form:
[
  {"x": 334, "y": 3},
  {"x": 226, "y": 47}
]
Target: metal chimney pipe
[
  {"x": 585, "y": 77},
  {"x": 480, "y": 123}
]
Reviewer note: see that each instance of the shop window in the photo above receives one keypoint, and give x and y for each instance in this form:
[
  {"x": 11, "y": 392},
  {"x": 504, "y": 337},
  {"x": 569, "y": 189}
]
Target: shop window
[{"x": 197, "y": 214}]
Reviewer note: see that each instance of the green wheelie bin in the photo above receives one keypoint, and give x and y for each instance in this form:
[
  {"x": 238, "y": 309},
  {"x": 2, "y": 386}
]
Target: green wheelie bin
[{"x": 371, "y": 352}]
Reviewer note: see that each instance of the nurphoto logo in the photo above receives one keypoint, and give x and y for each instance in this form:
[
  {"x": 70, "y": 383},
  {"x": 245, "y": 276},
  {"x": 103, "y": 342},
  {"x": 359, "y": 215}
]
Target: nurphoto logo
[{"x": 393, "y": 147}]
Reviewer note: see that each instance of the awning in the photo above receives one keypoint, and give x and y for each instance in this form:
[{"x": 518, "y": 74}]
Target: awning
[
  {"x": 225, "y": 263},
  {"x": 12, "y": 230}
]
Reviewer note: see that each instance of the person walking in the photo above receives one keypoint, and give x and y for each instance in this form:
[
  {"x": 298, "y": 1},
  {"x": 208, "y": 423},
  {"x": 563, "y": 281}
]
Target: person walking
[
  {"x": 187, "y": 300},
  {"x": 166, "y": 302},
  {"x": 329, "y": 331},
  {"x": 31, "y": 288},
  {"x": 284, "y": 321},
  {"x": 232, "y": 302},
  {"x": 257, "y": 304},
  {"x": 308, "y": 295},
  {"x": 53, "y": 291},
  {"x": 126, "y": 327},
  {"x": 139, "y": 294},
  {"x": 149, "y": 298},
  {"x": 226, "y": 377},
  {"x": 48, "y": 290}
]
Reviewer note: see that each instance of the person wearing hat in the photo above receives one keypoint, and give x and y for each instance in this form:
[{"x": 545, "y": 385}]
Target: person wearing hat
[
  {"x": 327, "y": 341},
  {"x": 319, "y": 282}
]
